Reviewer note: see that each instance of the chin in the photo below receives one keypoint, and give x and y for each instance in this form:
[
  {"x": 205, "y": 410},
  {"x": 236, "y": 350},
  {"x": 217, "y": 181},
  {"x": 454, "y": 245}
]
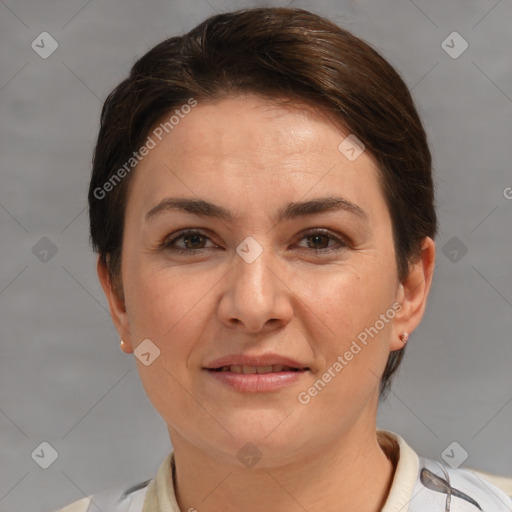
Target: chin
[{"x": 269, "y": 434}]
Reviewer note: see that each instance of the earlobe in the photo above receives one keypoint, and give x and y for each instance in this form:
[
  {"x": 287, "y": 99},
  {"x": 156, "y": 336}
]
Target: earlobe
[
  {"x": 413, "y": 294},
  {"x": 124, "y": 347},
  {"x": 116, "y": 306}
]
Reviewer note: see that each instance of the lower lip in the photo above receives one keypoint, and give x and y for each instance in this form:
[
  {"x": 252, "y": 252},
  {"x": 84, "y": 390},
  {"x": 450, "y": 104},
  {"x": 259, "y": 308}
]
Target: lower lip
[{"x": 257, "y": 382}]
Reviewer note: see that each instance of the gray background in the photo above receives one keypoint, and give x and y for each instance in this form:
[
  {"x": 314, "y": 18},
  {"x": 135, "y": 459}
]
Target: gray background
[{"x": 63, "y": 379}]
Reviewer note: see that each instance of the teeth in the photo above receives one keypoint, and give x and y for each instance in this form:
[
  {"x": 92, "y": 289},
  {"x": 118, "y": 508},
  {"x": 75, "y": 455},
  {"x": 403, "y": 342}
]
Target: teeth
[
  {"x": 247, "y": 370},
  {"x": 263, "y": 369}
]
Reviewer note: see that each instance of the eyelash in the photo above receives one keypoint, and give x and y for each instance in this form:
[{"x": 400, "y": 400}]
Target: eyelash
[{"x": 168, "y": 245}]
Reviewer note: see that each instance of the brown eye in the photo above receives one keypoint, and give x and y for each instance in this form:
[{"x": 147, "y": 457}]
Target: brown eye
[
  {"x": 187, "y": 242},
  {"x": 193, "y": 241},
  {"x": 321, "y": 241}
]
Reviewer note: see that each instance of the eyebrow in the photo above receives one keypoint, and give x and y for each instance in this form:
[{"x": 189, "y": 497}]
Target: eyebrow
[{"x": 289, "y": 212}]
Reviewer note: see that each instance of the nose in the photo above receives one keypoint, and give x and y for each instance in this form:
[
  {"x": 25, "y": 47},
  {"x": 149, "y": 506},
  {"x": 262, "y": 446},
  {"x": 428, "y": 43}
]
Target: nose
[{"x": 255, "y": 297}]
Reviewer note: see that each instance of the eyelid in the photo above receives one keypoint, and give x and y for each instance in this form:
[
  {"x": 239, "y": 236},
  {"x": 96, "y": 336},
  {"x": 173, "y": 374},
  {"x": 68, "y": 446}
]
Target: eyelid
[
  {"x": 167, "y": 241},
  {"x": 324, "y": 231},
  {"x": 341, "y": 241}
]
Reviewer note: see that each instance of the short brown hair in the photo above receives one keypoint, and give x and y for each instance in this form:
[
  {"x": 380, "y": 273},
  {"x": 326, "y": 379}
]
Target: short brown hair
[{"x": 273, "y": 52}]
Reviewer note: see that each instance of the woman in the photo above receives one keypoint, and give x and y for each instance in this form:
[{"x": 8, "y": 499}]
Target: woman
[{"x": 262, "y": 206}]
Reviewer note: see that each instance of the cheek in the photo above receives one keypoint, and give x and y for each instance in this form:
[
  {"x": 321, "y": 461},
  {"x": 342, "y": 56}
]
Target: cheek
[
  {"x": 353, "y": 350},
  {"x": 166, "y": 308},
  {"x": 161, "y": 299},
  {"x": 352, "y": 306},
  {"x": 350, "y": 298}
]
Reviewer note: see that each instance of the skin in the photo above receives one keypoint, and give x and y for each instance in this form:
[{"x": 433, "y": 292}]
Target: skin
[{"x": 253, "y": 157}]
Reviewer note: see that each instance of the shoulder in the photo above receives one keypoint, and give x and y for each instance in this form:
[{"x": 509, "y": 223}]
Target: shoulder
[
  {"x": 421, "y": 484},
  {"x": 112, "y": 500},
  {"x": 440, "y": 487}
]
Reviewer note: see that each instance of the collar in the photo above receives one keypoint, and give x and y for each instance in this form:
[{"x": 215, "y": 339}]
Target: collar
[{"x": 160, "y": 496}]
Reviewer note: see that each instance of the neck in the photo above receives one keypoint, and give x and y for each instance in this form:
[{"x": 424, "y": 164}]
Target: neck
[{"x": 352, "y": 475}]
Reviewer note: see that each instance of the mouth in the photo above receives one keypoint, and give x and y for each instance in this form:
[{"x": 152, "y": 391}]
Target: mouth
[
  {"x": 248, "y": 370},
  {"x": 248, "y": 374}
]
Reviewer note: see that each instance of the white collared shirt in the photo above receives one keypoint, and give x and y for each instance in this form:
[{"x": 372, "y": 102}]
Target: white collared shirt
[{"x": 419, "y": 485}]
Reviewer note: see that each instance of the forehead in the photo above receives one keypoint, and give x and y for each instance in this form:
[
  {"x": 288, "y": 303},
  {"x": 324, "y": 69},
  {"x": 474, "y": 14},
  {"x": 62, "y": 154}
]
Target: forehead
[
  {"x": 254, "y": 127},
  {"x": 249, "y": 147}
]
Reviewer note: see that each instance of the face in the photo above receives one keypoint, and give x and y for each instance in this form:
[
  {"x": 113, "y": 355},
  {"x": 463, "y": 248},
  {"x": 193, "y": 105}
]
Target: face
[{"x": 278, "y": 263}]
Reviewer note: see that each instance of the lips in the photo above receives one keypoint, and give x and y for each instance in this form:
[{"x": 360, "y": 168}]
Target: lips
[
  {"x": 246, "y": 370},
  {"x": 256, "y": 374},
  {"x": 247, "y": 364}
]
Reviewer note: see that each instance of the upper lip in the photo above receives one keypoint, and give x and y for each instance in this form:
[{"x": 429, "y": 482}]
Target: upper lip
[{"x": 252, "y": 360}]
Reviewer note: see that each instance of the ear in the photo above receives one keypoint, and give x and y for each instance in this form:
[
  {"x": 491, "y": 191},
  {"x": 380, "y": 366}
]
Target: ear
[
  {"x": 413, "y": 293},
  {"x": 116, "y": 305}
]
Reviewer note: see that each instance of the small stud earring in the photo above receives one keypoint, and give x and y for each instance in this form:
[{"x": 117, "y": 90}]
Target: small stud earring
[
  {"x": 124, "y": 347},
  {"x": 404, "y": 337}
]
